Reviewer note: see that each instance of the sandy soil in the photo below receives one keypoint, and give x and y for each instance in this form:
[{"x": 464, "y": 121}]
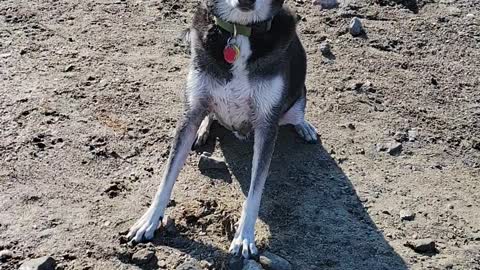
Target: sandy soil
[{"x": 89, "y": 96}]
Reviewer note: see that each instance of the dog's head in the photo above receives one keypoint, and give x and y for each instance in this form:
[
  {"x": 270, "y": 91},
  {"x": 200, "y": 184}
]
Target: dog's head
[{"x": 246, "y": 11}]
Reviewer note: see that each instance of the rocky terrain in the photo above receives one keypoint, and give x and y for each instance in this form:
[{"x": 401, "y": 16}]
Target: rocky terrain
[{"x": 89, "y": 96}]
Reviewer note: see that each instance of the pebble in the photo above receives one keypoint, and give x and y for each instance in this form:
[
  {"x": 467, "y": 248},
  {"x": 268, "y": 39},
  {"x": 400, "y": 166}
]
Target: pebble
[
  {"x": 423, "y": 246},
  {"x": 143, "y": 256},
  {"x": 5, "y": 255},
  {"x": 326, "y": 4},
  {"x": 252, "y": 265},
  {"x": 69, "y": 68},
  {"x": 169, "y": 225},
  {"x": 412, "y": 135},
  {"x": 207, "y": 162},
  {"x": 42, "y": 263},
  {"x": 355, "y": 28},
  {"x": 271, "y": 261},
  {"x": 325, "y": 48},
  {"x": 407, "y": 215},
  {"x": 394, "y": 148}
]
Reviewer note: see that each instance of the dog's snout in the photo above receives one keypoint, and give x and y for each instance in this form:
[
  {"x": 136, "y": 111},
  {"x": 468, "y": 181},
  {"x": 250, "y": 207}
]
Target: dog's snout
[{"x": 246, "y": 4}]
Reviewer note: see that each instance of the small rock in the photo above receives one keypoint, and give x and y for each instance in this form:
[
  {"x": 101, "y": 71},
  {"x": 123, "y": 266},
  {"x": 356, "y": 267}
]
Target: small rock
[
  {"x": 400, "y": 136},
  {"x": 207, "y": 163},
  {"x": 42, "y": 263},
  {"x": 325, "y": 49},
  {"x": 271, "y": 261},
  {"x": 5, "y": 255},
  {"x": 394, "y": 148},
  {"x": 351, "y": 126},
  {"x": 412, "y": 135},
  {"x": 422, "y": 246},
  {"x": 169, "y": 225},
  {"x": 162, "y": 264},
  {"x": 355, "y": 28},
  {"x": 381, "y": 147},
  {"x": 470, "y": 16},
  {"x": 407, "y": 215},
  {"x": 326, "y": 4},
  {"x": 252, "y": 265},
  {"x": 450, "y": 206},
  {"x": 143, "y": 256},
  {"x": 69, "y": 68}
]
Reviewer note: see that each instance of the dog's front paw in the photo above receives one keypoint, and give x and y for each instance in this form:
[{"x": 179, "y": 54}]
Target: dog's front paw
[
  {"x": 244, "y": 242},
  {"x": 144, "y": 228}
]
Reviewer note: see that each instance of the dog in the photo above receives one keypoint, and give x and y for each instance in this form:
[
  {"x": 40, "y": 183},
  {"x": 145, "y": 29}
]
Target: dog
[{"x": 247, "y": 71}]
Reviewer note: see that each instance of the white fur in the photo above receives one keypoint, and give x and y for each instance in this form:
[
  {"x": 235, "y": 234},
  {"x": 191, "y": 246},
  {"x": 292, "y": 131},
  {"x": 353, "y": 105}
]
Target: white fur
[{"x": 228, "y": 10}]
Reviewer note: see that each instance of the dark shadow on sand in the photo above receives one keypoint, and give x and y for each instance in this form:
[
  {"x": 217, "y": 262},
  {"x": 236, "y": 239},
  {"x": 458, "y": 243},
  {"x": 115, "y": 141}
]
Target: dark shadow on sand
[{"x": 314, "y": 215}]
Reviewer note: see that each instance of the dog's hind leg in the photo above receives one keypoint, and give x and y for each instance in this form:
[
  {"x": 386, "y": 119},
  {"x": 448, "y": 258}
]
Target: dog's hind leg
[
  {"x": 145, "y": 227},
  {"x": 264, "y": 143},
  {"x": 203, "y": 131},
  {"x": 296, "y": 117}
]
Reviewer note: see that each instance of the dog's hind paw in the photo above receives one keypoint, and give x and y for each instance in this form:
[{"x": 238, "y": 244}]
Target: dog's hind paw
[
  {"x": 145, "y": 227},
  {"x": 245, "y": 245},
  {"x": 307, "y": 132}
]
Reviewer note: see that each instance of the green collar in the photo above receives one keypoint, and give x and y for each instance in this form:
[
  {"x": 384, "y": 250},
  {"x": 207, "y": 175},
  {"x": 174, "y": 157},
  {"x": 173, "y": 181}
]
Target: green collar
[{"x": 244, "y": 30}]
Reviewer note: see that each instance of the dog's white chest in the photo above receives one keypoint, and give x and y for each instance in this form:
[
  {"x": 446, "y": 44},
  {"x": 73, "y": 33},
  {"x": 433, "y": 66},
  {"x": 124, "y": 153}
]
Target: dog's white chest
[
  {"x": 237, "y": 102},
  {"x": 233, "y": 104}
]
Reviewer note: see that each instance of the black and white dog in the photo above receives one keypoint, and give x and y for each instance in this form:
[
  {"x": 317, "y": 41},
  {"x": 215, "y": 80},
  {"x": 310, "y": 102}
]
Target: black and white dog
[{"x": 247, "y": 72}]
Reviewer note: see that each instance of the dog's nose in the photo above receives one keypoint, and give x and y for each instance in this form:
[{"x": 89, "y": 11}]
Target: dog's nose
[{"x": 246, "y": 4}]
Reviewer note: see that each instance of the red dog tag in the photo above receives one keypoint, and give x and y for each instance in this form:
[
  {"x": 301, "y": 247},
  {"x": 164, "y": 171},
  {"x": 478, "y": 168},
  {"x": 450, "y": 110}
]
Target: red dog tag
[{"x": 231, "y": 53}]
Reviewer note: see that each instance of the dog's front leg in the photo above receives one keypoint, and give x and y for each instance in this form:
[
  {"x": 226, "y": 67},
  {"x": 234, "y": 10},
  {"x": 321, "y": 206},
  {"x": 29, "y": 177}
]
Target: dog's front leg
[
  {"x": 187, "y": 128},
  {"x": 264, "y": 143}
]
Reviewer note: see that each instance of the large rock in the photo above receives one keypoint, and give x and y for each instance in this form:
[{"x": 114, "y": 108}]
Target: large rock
[
  {"x": 271, "y": 261},
  {"x": 208, "y": 162},
  {"x": 252, "y": 265},
  {"x": 42, "y": 263},
  {"x": 143, "y": 256}
]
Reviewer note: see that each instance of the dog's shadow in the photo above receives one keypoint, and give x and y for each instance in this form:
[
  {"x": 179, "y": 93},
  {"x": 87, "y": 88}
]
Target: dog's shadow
[{"x": 314, "y": 215}]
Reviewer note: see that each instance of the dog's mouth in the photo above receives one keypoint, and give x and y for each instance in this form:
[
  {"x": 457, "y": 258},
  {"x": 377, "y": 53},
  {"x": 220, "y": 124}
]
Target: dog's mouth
[{"x": 246, "y": 7}]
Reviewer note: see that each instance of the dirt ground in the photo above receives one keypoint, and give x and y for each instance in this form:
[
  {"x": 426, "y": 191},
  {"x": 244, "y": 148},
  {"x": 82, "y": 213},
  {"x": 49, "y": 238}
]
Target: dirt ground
[{"x": 89, "y": 96}]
